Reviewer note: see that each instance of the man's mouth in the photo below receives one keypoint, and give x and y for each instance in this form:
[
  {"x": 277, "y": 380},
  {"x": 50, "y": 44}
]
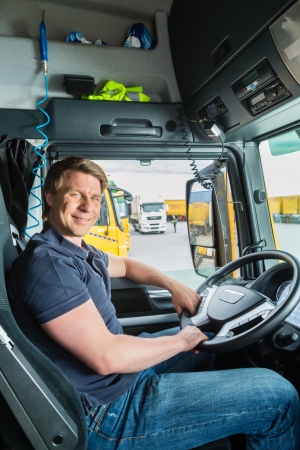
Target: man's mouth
[{"x": 81, "y": 219}]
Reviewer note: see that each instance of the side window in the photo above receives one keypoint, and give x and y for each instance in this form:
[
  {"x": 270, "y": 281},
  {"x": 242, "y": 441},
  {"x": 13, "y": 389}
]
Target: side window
[
  {"x": 280, "y": 158},
  {"x": 103, "y": 218}
]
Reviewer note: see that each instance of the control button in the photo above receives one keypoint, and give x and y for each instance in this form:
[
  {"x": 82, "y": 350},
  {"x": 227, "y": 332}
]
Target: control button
[
  {"x": 294, "y": 337},
  {"x": 284, "y": 340}
]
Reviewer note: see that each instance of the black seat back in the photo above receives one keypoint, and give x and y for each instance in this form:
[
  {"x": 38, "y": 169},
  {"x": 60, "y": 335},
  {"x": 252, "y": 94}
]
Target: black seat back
[{"x": 52, "y": 383}]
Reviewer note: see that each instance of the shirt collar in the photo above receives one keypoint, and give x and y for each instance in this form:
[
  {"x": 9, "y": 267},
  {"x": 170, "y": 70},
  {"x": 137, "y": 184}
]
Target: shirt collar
[{"x": 55, "y": 236}]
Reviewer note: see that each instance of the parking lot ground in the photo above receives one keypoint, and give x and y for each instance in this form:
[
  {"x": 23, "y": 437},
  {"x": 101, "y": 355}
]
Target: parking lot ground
[{"x": 168, "y": 252}]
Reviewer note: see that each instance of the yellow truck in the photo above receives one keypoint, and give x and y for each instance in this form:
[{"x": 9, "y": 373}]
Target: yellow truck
[
  {"x": 123, "y": 207},
  {"x": 176, "y": 208},
  {"x": 109, "y": 234},
  {"x": 285, "y": 209}
]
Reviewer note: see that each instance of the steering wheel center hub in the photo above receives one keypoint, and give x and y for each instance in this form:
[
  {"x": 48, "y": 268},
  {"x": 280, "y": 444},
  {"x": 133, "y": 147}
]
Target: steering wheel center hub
[{"x": 231, "y": 301}]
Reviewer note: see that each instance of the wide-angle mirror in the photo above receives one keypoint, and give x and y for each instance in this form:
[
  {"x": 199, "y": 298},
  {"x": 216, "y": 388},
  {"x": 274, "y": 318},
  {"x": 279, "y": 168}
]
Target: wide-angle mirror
[{"x": 200, "y": 216}]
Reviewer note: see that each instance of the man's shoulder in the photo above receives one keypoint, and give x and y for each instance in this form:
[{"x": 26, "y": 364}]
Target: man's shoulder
[{"x": 38, "y": 249}]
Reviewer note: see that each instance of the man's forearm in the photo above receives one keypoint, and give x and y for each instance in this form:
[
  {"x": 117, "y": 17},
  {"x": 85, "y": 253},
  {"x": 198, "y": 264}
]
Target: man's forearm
[
  {"x": 131, "y": 354},
  {"x": 182, "y": 296}
]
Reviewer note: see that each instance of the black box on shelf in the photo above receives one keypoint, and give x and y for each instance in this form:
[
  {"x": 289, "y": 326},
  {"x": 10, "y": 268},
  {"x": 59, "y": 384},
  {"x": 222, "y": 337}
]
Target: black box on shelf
[{"x": 79, "y": 84}]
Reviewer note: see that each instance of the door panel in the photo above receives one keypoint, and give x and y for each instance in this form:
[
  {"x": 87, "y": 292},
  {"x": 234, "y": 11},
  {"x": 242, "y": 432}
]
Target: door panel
[{"x": 142, "y": 308}]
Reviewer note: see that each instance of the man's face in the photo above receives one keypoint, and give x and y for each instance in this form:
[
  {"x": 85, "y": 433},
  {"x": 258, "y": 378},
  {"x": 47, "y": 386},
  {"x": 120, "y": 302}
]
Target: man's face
[{"x": 75, "y": 207}]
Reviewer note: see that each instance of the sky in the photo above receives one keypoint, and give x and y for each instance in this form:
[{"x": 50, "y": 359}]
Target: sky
[{"x": 164, "y": 179}]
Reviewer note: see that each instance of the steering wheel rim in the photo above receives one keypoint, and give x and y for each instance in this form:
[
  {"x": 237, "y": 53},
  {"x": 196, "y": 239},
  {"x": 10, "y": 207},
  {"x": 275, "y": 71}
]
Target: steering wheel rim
[{"x": 223, "y": 343}]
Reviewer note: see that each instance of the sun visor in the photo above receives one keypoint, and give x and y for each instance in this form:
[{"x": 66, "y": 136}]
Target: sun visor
[{"x": 286, "y": 34}]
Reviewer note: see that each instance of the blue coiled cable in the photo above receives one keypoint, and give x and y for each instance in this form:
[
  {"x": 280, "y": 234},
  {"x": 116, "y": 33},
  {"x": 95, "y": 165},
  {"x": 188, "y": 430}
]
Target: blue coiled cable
[{"x": 44, "y": 59}]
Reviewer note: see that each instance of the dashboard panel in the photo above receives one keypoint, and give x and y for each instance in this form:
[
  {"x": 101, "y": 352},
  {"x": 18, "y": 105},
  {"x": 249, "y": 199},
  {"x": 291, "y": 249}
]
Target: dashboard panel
[{"x": 275, "y": 283}]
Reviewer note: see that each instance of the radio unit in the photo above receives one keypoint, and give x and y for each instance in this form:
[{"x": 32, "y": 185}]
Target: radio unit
[
  {"x": 260, "y": 88},
  {"x": 272, "y": 94}
]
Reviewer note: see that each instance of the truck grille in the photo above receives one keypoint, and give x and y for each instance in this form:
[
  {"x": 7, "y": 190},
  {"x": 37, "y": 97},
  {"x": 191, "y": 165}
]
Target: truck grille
[{"x": 154, "y": 218}]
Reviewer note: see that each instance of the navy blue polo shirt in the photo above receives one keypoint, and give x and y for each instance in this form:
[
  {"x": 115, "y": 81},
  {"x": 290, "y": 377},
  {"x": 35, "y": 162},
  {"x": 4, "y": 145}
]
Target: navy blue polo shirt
[{"x": 51, "y": 277}]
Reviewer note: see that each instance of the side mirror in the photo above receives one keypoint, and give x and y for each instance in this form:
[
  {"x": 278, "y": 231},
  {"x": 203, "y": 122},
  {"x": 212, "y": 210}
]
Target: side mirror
[
  {"x": 200, "y": 216},
  {"x": 120, "y": 192},
  {"x": 201, "y": 226}
]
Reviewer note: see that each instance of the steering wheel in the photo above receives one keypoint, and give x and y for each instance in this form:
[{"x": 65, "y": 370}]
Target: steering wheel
[{"x": 240, "y": 314}]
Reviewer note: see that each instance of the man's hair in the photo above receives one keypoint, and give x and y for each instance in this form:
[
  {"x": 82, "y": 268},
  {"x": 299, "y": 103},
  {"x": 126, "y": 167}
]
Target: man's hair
[{"x": 57, "y": 172}]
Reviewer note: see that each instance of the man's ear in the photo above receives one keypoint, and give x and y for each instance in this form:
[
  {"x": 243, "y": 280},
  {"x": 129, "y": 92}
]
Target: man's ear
[{"x": 49, "y": 197}]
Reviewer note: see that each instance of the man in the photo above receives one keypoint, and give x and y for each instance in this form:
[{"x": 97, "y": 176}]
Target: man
[
  {"x": 174, "y": 221},
  {"x": 138, "y": 392}
]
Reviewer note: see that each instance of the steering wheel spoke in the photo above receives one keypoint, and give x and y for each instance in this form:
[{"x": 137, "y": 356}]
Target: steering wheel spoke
[{"x": 246, "y": 321}]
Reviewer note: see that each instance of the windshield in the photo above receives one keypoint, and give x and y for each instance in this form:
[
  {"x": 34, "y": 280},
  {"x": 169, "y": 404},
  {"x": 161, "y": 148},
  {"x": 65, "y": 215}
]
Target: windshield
[
  {"x": 117, "y": 212},
  {"x": 280, "y": 158},
  {"x": 122, "y": 207},
  {"x": 152, "y": 207},
  {"x": 168, "y": 251}
]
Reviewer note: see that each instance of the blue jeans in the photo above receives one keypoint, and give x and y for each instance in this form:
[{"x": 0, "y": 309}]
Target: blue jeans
[{"x": 172, "y": 407}]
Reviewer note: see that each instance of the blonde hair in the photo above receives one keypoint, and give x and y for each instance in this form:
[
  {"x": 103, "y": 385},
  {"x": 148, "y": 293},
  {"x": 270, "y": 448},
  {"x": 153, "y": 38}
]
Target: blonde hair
[{"x": 56, "y": 173}]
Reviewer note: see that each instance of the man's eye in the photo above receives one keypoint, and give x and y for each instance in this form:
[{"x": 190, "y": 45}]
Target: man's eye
[{"x": 75, "y": 194}]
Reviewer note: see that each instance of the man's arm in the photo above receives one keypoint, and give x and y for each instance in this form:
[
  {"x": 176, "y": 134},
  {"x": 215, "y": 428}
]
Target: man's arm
[
  {"x": 83, "y": 332},
  {"x": 182, "y": 296}
]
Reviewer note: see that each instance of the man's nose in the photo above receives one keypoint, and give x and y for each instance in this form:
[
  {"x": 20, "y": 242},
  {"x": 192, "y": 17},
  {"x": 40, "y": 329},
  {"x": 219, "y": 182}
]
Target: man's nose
[{"x": 86, "y": 204}]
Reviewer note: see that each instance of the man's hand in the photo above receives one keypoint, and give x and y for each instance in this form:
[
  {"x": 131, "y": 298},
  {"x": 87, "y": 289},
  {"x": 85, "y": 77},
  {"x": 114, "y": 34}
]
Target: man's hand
[
  {"x": 191, "y": 336},
  {"x": 184, "y": 298}
]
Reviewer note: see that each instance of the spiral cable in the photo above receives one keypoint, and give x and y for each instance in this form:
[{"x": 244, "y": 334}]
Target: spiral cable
[
  {"x": 35, "y": 170},
  {"x": 203, "y": 181}
]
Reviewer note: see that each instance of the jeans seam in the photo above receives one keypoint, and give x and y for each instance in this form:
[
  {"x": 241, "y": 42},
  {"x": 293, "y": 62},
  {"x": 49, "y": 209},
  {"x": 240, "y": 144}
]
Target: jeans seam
[
  {"x": 181, "y": 364},
  {"x": 99, "y": 419},
  {"x": 131, "y": 438}
]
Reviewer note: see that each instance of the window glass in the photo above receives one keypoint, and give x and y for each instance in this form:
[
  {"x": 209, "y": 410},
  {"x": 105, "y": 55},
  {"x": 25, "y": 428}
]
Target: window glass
[
  {"x": 167, "y": 250},
  {"x": 280, "y": 158},
  {"x": 117, "y": 211},
  {"x": 103, "y": 218}
]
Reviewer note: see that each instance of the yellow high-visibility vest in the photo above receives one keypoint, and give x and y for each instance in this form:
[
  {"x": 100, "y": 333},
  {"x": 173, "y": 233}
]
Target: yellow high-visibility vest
[{"x": 118, "y": 92}]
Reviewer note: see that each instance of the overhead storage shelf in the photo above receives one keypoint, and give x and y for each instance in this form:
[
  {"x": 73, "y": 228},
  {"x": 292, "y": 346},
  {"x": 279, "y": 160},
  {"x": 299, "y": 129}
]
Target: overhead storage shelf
[{"x": 22, "y": 83}]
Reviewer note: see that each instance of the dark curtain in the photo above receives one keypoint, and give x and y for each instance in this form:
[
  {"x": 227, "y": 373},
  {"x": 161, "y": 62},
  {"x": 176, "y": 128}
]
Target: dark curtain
[{"x": 17, "y": 159}]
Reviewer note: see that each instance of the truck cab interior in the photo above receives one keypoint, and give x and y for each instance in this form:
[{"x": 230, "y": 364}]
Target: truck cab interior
[{"x": 224, "y": 85}]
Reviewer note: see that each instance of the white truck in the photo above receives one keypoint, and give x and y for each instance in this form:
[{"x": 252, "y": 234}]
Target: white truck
[{"x": 148, "y": 215}]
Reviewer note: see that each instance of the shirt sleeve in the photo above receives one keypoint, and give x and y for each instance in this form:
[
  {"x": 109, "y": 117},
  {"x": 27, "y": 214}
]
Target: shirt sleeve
[
  {"x": 52, "y": 285},
  {"x": 100, "y": 253}
]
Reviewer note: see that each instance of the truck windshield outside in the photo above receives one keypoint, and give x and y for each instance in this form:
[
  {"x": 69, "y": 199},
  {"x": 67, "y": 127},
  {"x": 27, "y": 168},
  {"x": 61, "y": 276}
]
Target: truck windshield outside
[{"x": 152, "y": 207}]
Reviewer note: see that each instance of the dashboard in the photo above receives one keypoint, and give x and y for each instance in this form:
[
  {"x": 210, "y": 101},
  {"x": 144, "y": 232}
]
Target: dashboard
[
  {"x": 281, "y": 294},
  {"x": 275, "y": 283}
]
